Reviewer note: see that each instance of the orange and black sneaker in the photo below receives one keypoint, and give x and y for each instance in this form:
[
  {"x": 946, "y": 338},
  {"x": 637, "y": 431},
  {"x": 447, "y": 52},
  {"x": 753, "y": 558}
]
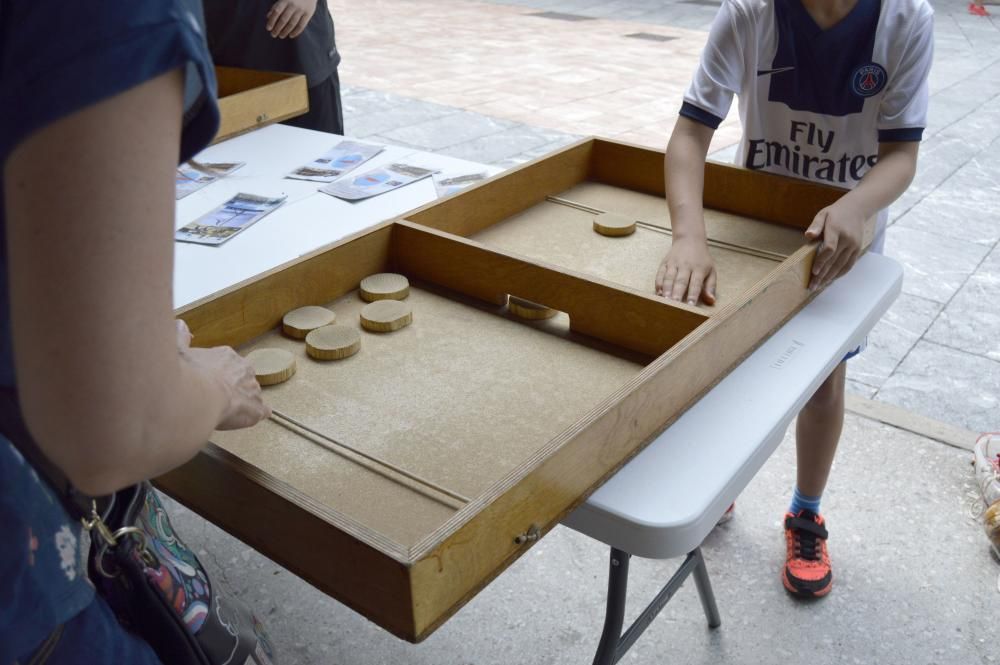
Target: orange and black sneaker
[{"x": 807, "y": 571}]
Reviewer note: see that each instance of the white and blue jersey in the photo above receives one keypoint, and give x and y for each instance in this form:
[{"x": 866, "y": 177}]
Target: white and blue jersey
[{"x": 815, "y": 103}]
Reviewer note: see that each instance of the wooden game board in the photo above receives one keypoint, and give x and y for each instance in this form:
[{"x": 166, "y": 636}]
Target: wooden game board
[
  {"x": 250, "y": 99},
  {"x": 403, "y": 479}
]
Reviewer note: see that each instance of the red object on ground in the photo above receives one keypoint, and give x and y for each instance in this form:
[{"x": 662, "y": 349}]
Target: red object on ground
[{"x": 978, "y": 10}]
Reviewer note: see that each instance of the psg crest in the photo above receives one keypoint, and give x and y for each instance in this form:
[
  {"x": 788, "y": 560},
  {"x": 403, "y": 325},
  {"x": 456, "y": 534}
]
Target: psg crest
[{"x": 868, "y": 80}]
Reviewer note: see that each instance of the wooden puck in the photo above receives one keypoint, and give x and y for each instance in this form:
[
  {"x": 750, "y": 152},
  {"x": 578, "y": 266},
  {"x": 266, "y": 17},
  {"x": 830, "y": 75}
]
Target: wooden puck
[
  {"x": 333, "y": 342},
  {"x": 272, "y": 366},
  {"x": 386, "y": 316},
  {"x": 384, "y": 286},
  {"x": 529, "y": 310},
  {"x": 300, "y": 322},
  {"x": 614, "y": 225}
]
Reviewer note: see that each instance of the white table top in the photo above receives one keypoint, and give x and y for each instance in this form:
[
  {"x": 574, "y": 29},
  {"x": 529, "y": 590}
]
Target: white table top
[
  {"x": 666, "y": 500},
  {"x": 309, "y": 219}
]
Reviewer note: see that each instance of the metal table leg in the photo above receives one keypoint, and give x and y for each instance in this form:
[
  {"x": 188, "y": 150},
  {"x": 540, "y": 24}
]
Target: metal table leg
[{"x": 613, "y": 644}]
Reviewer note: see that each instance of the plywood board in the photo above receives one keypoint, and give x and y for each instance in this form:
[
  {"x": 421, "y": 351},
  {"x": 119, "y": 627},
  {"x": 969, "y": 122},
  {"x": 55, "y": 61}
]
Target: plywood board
[
  {"x": 563, "y": 236},
  {"x": 460, "y": 397},
  {"x": 720, "y": 225}
]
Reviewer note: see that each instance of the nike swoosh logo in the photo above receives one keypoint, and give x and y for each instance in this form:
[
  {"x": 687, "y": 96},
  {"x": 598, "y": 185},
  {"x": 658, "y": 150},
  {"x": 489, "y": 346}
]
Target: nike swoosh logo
[{"x": 765, "y": 72}]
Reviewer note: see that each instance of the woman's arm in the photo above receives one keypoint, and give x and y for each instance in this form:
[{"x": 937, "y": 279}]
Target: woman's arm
[{"x": 105, "y": 387}]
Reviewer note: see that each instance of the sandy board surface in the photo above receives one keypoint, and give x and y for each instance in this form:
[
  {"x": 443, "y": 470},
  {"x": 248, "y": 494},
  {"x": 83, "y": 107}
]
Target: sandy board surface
[
  {"x": 564, "y": 236},
  {"x": 460, "y": 397}
]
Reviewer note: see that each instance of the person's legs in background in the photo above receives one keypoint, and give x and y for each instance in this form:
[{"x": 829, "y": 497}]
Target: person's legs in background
[{"x": 325, "y": 111}]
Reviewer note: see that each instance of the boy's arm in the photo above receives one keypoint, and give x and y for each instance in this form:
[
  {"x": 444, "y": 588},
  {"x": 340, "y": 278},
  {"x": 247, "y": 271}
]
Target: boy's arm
[
  {"x": 687, "y": 272},
  {"x": 841, "y": 225},
  {"x": 288, "y": 18}
]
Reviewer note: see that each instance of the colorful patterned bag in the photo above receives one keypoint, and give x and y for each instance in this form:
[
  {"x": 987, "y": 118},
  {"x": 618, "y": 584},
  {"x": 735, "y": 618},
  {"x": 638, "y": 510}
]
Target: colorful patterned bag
[
  {"x": 160, "y": 591},
  {"x": 154, "y": 583}
]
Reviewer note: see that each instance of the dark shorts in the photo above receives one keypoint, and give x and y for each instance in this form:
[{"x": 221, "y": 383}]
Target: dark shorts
[{"x": 325, "y": 113}]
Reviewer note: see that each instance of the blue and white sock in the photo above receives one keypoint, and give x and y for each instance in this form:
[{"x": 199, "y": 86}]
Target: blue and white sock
[{"x": 802, "y": 501}]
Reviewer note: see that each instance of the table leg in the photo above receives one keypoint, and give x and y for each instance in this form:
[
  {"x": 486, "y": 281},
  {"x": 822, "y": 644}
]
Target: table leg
[
  {"x": 614, "y": 618},
  {"x": 613, "y": 644},
  {"x": 705, "y": 591}
]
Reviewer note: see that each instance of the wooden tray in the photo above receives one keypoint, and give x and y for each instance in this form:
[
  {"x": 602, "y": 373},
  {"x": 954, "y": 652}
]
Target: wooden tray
[
  {"x": 250, "y": 99},
  {"x": 403, "y": 479}
]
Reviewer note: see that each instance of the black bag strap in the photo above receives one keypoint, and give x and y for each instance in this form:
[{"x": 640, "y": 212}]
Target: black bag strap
[{"x": 12, "y": 426}]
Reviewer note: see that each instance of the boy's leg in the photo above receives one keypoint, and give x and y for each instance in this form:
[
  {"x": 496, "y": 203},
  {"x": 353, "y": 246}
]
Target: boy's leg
[
  {"x": 807, "y": 570},
  {"x": 817, "y": 432}
]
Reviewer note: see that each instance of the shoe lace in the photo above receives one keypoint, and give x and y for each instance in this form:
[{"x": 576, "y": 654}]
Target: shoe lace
[{"x": 806, "y": 534}]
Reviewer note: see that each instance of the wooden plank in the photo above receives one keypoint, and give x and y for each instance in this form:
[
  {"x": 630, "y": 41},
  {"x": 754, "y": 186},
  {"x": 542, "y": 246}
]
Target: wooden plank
[
  {"x": 455, "y": 563},
  {"x": 643, "y": 323},
  {"x": 777, "y": 199},
  {"x": 250, "y": 99},
  {"x": 483, "y": 205},
  {"x": 299, "y": 534},
  {"x": 250, "y": 308}
]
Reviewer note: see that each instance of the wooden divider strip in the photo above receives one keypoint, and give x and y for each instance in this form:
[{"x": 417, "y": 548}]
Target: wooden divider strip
[{"x": 643, "y": 323}]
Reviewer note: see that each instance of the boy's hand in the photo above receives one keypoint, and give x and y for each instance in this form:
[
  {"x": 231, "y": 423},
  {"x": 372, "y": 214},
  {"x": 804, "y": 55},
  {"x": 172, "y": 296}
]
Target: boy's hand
[
  {"x": 687, "y": 273},
  {"x": 288, "y": 18},
  {"x": 841, "y": 228}
]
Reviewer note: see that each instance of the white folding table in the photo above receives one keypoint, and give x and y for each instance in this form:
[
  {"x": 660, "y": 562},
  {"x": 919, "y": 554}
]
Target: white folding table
[
  {"x": 308, "y": 220},
  {"x": 665, "y": 501}
]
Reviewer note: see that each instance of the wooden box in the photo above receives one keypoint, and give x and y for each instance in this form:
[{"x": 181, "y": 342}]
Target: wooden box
[
  {"x": 403, "y": 479},
  {"x": 250, "y": 99}
]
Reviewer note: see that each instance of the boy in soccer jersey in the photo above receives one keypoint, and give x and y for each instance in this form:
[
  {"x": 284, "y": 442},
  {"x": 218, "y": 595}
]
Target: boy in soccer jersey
[{"x": 833, "y": 91}]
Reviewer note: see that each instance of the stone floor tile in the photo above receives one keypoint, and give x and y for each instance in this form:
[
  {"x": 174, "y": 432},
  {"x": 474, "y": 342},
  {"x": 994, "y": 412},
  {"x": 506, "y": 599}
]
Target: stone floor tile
[
  {"x": 944, "y": 215},
  {"x": 539, "y": 151},
  {"x": 860, "y": 389},
  {"x": 498, "y": 147},
  {"x": 971, "y": 321},
  {"x": 448, "y": 130},
  {"x": 976, "y": 183},
  {"x": 981, "y": 126},
  {"x": 944, "y": 110},
  {"x": 361, "y": 125},
  {"x": 891, "y": 339},
  {"x": 947, "y": 384},
  {"x": 940, "y": 157},
  {"x": 935, "y": 265}
]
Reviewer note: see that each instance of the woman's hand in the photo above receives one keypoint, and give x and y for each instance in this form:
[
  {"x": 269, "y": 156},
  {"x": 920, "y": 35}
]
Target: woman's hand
[
  {"x": 687, "y": 273},
  {"x": 246, "y": 405}
]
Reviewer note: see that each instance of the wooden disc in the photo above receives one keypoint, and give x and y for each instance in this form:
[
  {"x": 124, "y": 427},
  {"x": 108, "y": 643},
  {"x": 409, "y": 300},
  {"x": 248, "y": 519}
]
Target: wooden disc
[
  {"x": 272, "y": 366},
  {"x": 386, "y": 316},
  {"x": 384, "y": 286},
  {"x": 529, "y": 310},
  {"x": 300, "y": 322},
  {"x": 614, "y": 225},
  {"x": 333, "y": 342}
]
